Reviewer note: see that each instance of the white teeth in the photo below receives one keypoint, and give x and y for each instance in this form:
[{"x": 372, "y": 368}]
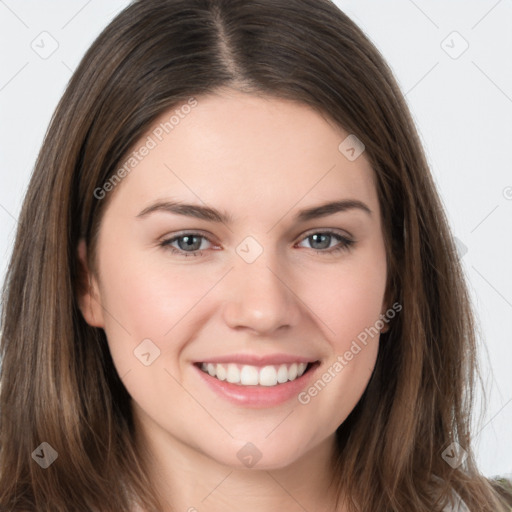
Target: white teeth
[
  {"x": 268, "y": 376},
  {"x": 232, "y": 374},
  {"x": 248, "y": 375},
  {"x": 221, "y": 372},
  {"x": 292, "y": 372},
  {"x": 282, "y": 374}
]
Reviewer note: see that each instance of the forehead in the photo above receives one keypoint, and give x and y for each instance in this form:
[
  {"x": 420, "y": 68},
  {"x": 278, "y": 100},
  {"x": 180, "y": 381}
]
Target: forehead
[{"x": 244, "y": 151}]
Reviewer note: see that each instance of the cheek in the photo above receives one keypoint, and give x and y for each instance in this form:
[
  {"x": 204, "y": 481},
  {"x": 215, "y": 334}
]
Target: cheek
[
  {"x": 347, "y": 298},
  {"x": 149, "y": 299},
  {"x": 349, "y": 306}
]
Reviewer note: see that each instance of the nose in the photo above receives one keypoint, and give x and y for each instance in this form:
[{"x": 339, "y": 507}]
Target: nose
[{"x": 261, "y": 298}]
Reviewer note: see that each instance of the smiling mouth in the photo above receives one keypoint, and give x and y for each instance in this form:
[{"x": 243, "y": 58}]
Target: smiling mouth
[{"x": 248, "y": 375}]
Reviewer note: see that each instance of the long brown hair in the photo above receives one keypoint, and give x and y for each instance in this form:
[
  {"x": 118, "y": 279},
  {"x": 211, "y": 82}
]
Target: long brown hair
[{"x": 58, "y": 382}]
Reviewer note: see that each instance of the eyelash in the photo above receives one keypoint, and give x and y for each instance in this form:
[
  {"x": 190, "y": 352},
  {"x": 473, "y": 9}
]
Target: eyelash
[{"x": 345, "y": 245}]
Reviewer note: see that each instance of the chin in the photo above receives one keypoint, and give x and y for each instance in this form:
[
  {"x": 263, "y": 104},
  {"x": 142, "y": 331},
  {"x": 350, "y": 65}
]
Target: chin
[{"x": 259, "y": 456}]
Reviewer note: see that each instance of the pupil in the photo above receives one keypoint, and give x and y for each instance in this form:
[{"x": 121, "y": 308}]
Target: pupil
[
  {"x": 188, "y": 242},
  {"x": 325, "y": 237}
]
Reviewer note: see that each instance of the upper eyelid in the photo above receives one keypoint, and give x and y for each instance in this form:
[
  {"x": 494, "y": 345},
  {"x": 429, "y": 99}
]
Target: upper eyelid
[{"x": 335, "y": 231}]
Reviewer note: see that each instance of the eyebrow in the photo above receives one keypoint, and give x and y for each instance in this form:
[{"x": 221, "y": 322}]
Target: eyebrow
[{"x": 211, "y": 214}]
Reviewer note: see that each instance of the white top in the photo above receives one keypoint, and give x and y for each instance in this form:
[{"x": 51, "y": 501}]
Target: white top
[{"x": 460, "y": 506}]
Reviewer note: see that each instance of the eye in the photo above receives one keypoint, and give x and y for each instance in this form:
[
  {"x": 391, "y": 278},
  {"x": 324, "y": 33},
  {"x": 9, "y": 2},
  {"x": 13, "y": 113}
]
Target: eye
[
  {"x": 189, "y": 244},
  {"x": 192, "y": 244},
  {"x": 321, "y": 241}
]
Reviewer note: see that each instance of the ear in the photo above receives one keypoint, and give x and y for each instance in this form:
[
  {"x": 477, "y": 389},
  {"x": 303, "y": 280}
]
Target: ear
[
  {"x": 385, "y": 307},
  {"x": 387, "y": 302},
  {"x": 88, "y": 290},
  {"x": 386, "y": 324}
]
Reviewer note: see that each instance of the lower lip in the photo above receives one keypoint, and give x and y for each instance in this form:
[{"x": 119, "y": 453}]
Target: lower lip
[{"x": 258, "y": 396}]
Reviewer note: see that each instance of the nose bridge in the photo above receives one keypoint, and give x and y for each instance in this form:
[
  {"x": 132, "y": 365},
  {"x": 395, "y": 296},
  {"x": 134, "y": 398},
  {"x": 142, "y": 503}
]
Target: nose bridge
[{"x": 259, "y": 296}]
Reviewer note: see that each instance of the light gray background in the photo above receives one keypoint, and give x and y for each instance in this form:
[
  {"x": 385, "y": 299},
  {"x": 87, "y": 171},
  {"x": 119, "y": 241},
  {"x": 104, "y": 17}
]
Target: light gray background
[{"x": 461, "y": 102}]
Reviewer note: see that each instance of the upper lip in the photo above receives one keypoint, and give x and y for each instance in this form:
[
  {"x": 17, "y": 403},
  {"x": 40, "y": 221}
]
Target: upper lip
[{"x": 256, "y": 360}]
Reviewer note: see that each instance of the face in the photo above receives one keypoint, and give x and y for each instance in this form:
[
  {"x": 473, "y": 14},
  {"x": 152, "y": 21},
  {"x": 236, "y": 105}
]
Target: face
[{"x": 236, "y": 319}]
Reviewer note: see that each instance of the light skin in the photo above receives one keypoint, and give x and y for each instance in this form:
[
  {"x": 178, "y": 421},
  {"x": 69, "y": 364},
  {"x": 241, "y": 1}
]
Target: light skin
[{"x": 260, "y": 160}]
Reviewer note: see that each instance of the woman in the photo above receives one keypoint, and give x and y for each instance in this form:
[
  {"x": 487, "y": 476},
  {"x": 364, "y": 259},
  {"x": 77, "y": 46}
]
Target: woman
[{"x": 174, "y": 339}]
